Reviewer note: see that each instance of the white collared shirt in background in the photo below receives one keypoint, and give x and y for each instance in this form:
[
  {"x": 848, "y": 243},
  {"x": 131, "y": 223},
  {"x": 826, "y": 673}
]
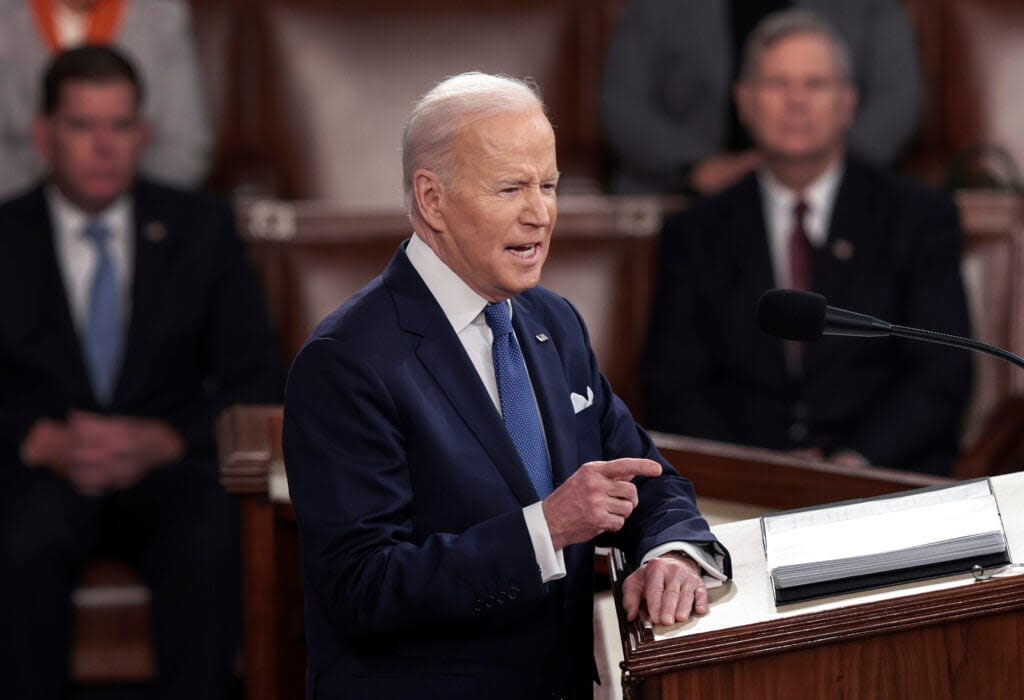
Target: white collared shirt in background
[
  {"x": 76, "y": 254},
  {"x": 778, "y": 203}
]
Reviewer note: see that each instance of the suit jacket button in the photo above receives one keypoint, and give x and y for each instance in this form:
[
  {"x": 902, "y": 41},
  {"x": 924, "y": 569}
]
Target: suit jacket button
[{"x": 798, "y": 432}]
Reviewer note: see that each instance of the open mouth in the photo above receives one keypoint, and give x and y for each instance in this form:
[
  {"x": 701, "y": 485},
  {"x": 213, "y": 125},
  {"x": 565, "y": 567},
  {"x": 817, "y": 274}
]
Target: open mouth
[{"x": 525, "y": 252}]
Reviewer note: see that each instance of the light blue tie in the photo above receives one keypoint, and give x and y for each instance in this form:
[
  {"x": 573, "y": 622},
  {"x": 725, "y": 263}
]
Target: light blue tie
[
  {"x": 103, "y": 325},
  {"x": 518, "y": 407}
]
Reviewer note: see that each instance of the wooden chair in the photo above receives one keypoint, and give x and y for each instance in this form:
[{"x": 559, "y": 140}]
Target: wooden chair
[
  {"x": 993, "y": 269},
  {"x": 971, "y": 53},
  {"x": 111, "y": 642},
  {"x": 327, "y": 85},
  {"x": 314, "y": 255},
  {"x": 251, "y": 467}
]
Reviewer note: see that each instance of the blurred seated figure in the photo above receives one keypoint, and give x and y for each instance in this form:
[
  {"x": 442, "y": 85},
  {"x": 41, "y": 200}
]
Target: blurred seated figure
[
  {"x": 155, "y": 34},
  {"x": 132, "y": 318},
  {"x": 813, "y": 216},
  {"x": 668, "y": 116}
]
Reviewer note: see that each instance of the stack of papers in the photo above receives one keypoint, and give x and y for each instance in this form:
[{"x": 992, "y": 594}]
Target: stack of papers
[{"x": 881, "y": 541}]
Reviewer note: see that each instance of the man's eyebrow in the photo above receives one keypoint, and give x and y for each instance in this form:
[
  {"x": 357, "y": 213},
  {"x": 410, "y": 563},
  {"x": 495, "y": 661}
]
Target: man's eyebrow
[{"x": 517, "y": 181}]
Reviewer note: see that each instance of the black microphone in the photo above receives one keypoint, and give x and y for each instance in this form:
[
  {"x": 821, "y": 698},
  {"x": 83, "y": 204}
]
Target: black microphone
[{"x": 806, "y": 316}]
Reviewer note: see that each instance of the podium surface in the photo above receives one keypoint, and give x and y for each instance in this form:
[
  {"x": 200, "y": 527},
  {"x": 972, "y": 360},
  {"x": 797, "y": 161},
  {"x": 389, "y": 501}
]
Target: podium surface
[{"x": 951, "y": 637}]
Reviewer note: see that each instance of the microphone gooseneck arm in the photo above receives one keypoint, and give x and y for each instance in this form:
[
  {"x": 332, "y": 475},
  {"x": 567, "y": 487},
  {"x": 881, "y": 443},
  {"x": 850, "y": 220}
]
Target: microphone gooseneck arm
[
  {"x": 805, "y": 316},
  {"x": 956, "y": 341}
]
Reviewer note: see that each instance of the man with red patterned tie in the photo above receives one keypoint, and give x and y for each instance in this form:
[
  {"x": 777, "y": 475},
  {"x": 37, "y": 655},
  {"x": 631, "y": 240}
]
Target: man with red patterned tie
[{"x": 814, "y": 216}]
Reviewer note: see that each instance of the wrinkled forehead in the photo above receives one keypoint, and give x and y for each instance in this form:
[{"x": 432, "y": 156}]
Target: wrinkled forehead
[{"x": 519, "y": 135}]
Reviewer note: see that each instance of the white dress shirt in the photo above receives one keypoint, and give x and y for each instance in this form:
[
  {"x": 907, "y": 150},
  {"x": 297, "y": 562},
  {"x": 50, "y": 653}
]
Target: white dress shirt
[
  {"x": 76, "y": 254},
  {"x": 778, "y": 204},
  {"x": 464, "y": 310}
]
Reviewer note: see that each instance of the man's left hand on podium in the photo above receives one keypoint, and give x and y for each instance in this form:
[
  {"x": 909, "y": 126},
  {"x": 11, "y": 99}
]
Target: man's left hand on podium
[{"x": 665, "y": 590}]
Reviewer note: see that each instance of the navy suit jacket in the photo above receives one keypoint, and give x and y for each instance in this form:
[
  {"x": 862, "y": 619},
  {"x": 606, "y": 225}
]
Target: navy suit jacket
[
  {"x": 893, "y": 251},
  {"x": 198, "y": 338},
  {"x": 420, "y": 577}
]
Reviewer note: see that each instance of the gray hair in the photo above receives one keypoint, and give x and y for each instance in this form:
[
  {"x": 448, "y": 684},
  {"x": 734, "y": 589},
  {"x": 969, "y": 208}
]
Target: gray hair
[
  {"x": 440, "y": 114},
  {"x": 786, "y": 23}
]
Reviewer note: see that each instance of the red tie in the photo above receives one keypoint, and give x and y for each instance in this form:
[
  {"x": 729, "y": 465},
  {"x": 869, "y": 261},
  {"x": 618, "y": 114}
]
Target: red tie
[{"x": 801, "y": 253}]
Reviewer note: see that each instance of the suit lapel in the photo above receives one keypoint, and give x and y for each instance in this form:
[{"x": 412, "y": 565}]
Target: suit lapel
[
  {"x": 549, "y": 386},
  {"x": 753, "y": 256},
  {"x": 442, "y": 355},
  {"x": 850, "y": 220},
  {"x": 53, "y": 313},
  {"x": 836, "y": 265},
  {"x": 152, "y": 241}
]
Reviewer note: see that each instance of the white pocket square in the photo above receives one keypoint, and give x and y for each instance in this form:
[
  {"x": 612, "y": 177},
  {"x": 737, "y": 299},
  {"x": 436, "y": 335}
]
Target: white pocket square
[{"x": 579, "y": 402}]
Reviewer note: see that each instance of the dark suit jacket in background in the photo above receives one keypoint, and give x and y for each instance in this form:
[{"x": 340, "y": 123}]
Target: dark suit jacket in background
[
  {"x": 198, "y": 338},
  {"x": 420, "y": 577},
  {"x": 893, "y": 251}
]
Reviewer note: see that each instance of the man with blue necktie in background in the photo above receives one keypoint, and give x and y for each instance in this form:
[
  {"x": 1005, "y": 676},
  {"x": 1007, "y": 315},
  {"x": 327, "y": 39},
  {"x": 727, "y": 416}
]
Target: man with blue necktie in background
[{"x": 132, "y": 318}]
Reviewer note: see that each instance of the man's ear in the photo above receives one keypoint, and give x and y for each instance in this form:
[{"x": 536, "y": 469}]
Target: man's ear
[
  {"x": 40, "y": 134},
  {"x": 145, "y": 133},
  {"x": 848, "y": 99},
  {"x": 429, "y": 194}
]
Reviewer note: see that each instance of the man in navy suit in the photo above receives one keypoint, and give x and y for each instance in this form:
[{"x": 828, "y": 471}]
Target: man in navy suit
[
  {"x": 131, "y": 318},
  {"x": 815, "y": 218},
  {"x": 447, "y": 511}
]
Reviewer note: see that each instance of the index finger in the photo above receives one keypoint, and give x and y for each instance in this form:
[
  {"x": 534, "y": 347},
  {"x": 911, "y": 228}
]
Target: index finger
[{"x": 626, "y": 468}]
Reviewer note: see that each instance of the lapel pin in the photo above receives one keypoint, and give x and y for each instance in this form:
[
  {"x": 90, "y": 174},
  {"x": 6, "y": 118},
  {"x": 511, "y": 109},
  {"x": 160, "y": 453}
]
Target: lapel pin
[
  {"x": 154, "y": 231},
  {"x": 842, "y": 249},
  {"x": 541, "y": 338}
]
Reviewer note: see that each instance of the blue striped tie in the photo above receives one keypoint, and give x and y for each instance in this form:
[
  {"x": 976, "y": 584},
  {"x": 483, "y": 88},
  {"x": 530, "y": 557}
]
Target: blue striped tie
[
  {"x": 518, "y": 407},
  {"x": 103, "y": 326}
]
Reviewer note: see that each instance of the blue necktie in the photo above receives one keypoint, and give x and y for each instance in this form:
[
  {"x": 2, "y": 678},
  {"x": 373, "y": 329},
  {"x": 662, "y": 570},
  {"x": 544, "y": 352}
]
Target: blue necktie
[
  {"x": 103, "y": 325},
  {"x": 518, "y": 407}
]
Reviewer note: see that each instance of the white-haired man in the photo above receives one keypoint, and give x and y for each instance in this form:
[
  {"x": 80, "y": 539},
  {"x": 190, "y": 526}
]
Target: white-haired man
[{"x": 453, "y": 450}]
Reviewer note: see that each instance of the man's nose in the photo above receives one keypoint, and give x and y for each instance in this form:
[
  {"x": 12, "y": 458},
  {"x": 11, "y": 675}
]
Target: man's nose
[
  {"x": 103, "y": 140},
  {"x": 798, "y": 92},
  {"x": 535, "y": 211}
]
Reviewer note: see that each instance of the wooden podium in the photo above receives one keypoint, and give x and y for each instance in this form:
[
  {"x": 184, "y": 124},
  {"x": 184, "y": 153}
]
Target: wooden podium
[
  {"x": 808, "y": 655},
  {"x": 944, "y": 638}
]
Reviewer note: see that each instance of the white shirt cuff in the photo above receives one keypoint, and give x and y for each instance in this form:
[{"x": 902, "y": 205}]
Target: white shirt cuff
[
  {"x": 711, "y": 565},
  {"x": 550, "y": 561}
]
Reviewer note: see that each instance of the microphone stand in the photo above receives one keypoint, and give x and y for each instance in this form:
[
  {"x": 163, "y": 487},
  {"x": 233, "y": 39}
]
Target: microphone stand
[{"x": 956, "y": 341}]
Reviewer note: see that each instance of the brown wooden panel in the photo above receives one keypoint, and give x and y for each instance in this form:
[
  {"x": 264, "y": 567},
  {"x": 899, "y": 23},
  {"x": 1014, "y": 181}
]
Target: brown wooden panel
[
  {"x": 111, "y": 636},
  {"x": 313, "y": 256},
  {"x": 946, "y": 644},
  {"x": 975, "y": 658},
  {"x": 775, "y": 479}
]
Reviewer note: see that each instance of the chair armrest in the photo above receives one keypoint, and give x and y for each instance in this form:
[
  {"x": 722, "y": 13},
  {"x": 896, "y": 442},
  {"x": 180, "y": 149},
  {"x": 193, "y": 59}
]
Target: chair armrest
[
  {"x": 1000, "y": 446},
  {"x": 248, "y": 444}
]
